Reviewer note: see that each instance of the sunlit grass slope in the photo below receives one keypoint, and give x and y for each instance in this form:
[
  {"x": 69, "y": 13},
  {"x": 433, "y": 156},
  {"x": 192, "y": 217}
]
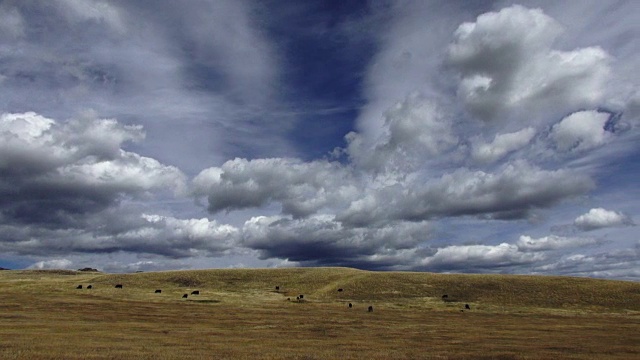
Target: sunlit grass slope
[
  {"x": 514, "y": 292},
  {"x": 239, "y": 314}
]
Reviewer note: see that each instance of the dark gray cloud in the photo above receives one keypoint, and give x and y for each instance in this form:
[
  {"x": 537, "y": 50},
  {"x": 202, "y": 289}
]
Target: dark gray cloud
[
  {"x": 51, "y": 172},
  {"x": 64, "y": 188},
  {"x": 322, "y": 240}
]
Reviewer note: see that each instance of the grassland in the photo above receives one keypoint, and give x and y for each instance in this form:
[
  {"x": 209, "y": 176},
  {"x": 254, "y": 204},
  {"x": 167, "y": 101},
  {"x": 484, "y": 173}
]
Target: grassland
[{"x": 240, "y": 315}]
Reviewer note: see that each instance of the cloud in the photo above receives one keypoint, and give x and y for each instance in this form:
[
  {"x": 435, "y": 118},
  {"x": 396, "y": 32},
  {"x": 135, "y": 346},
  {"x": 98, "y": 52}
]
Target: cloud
[
  {"x": 475, "y": 257},
  {"x": 50, "y": 171},
  {"x": 598, "y": 218},
  {"x": 118, "y": 230},
  {"x": 581, "y": 131},
  {"x": 95, "y": 11},
  {"x": 551, "y": 242},
  {"x": 420, "y": 185},
  {"x": 501, "y": 145},
  {"x": 52, "y": 264},
  {"x": 512, "y": 192},
  {"x": 506, "y": 62},
  {"x": 413, "y": 129},
  {"x": 302, "y": 188},
  {"x": 320, "y": 240},
  {"x": 69, "y": 187},
  {"x": 11, "y": 23},
  {"x": 618, "y": 263}
]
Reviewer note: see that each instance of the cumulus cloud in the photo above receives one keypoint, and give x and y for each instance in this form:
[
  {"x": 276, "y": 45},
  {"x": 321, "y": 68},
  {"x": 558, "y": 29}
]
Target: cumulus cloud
[
  {"x": 122, "y": 230},
  {"x": 506, "y": 62},
  {"x": 598, "y": 218},
  {"x": 551, "y": 242},
  {"x": 512, "y": 192},
  {"x": 321, "y": 240},
  {"x": 501, "y": 145},
  {"x": 470, "y": 257},
  {"x": 50, "y": 170},
  {"x": 302, "y": 188},
  {"x": 581, "y": 131},
  {"x": 414, "y": 130},
  {"x": 619, "y": 263},
  {"x": 52, "y": 264}
]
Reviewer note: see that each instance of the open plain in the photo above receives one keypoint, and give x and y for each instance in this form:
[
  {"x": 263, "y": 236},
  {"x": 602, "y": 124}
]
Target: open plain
[{"x": 239, "y": 314}]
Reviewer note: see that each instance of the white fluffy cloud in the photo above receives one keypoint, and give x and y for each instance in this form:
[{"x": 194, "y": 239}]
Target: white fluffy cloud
[
  {"x": 301, "y": 188},
  {"x": 601, "y": 218},
  {"x": 78, "y": 155},
  {"x": 506, "y": 62},
  {"x": 581, "y": 131},
  {"x": 551, "y": 242},
  {"x": 52, "y": 264},
  {"x": 502, "y": 144},
  {"x": 480, "y": 256},
  {"x": 414, "y": 130},
  {"x": 509, "y": 193}
]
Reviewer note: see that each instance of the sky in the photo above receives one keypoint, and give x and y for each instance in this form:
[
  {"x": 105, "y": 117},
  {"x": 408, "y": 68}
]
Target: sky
[{"x": 441, "y": 136}]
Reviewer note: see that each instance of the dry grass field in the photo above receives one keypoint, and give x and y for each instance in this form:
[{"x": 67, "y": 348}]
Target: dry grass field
[{"x": 240, "y": 315}]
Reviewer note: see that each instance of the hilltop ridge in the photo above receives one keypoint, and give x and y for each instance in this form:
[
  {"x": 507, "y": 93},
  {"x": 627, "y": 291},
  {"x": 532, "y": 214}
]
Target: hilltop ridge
[{"x": 400, "y": 289}]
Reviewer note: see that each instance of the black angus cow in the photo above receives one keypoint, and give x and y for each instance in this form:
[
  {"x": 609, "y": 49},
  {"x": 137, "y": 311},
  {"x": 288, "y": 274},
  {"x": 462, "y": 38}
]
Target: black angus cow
[
  {"x": 370, "y": 309},
  {"x": 119, "y": 286},
  {"x": 89, "y": 286},
  {"x": 277, "y": 288},
  {"x": 158, "y": 291},
  {"x": 466, "y": 306},
  {"x": 301, "y": 297},
  {"x": 445, "y": 296},
  {"x": 340, "y": 290},
  {"x": 350, "y": 305},
  {"x": 79, "y": 287},
  {"x": 195, "y": 292},
  {"x": 185, "y": 296}
]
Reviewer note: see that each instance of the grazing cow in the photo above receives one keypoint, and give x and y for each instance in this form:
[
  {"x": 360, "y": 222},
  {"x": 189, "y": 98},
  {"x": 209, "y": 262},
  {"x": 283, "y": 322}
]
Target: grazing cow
[
  {"x": 301, "y": 297},
  {"x": 370, "y": 309},
  {"x": 195, "y": 292},
  {"x": 185, "y": 296},
  {"x": 158, "y": 291},
  {"x": 298, "y": 298},
  {"x": 89, "y": 287},
  {"x": 350, "y": 305},
  {"x": 119, "y": 286},
  {"x": 466, "y": 306},
  {"x": 277, "y": 288},
  {"x": 79, "y": 287},
  {"x": 340, "y": 290},
  {"x": 445, "y": 296}
]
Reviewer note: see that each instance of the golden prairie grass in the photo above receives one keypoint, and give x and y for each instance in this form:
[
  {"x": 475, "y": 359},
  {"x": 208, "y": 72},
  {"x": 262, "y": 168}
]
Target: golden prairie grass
[{"x": 240, "y": 315}]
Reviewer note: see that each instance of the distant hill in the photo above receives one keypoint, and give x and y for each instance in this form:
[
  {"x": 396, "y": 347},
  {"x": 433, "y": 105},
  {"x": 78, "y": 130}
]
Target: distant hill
[{"x": 399, "y": 289}]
